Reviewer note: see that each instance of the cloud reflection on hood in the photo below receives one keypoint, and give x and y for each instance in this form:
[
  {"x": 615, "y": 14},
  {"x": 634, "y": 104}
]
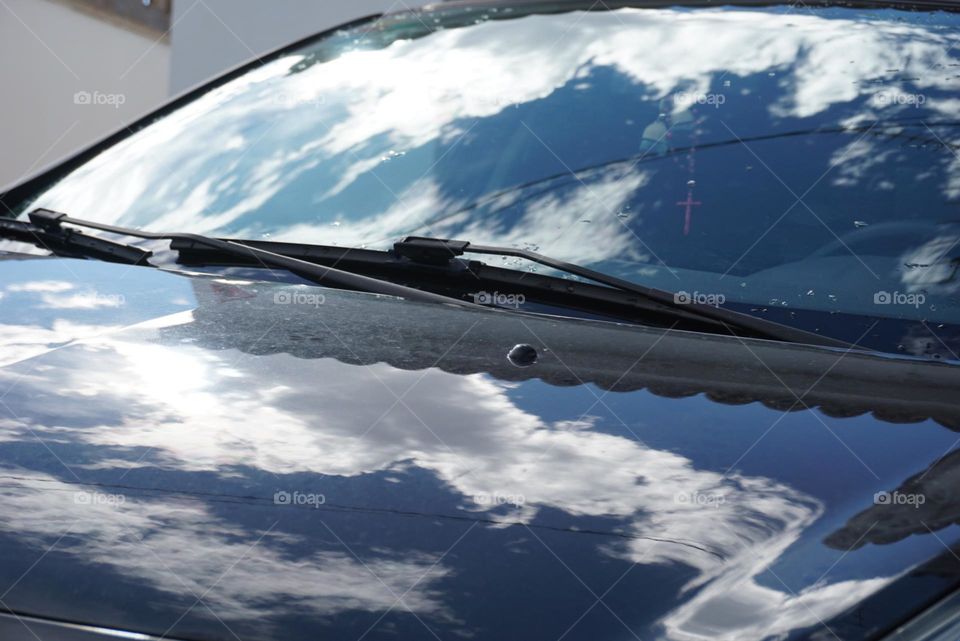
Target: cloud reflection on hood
[{"x": 198, "y": 411}]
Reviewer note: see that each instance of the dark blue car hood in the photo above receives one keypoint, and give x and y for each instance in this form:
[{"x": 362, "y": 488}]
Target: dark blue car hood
[{"x": 219, "y": 459}]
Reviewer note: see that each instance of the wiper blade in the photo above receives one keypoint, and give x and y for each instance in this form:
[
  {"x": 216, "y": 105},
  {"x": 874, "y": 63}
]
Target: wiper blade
[
  {"x": 435, "y": 264},
  {"x": 71, "y": 242},
  {"x": 46, "y": 228},
  {"x": 50, "y": 224},
  {"x": 435, "y": 251}
]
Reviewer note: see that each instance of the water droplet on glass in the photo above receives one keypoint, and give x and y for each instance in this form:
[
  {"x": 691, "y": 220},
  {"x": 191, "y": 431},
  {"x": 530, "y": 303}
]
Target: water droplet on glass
[
  {"x": 585, "y": 220},
  {"x": 832, "y": 296},
  {"x": 335, "y": 223},
  {"x": 691, "y": 184},
  {"x": 390, "y": 155},
  {"x": 859, "y": 223},
  {"x": 743, "y": 284},
  {"x": 771, "y": 74},
  {"x": 810, "y": 292},
  {"x": 622, "y": 214}
]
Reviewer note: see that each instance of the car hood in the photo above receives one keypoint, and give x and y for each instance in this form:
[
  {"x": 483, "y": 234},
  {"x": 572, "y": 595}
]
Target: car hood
[{"x": 207, "y": 458}]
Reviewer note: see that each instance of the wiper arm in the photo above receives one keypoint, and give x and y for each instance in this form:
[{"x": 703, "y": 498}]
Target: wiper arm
[
  {"x": 434, "y": 251},
  {"x": 49, "y": 224},
  {"x": 71, "y": 242}
]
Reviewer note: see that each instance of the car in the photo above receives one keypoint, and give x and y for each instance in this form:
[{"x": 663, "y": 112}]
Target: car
[{"x": 501, "y": 320}]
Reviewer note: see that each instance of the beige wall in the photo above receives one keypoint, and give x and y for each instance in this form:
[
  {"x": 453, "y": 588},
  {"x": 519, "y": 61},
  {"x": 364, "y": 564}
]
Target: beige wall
[
  {"x": 50, "y": 52},
  {"x": 210, "y": 36}
]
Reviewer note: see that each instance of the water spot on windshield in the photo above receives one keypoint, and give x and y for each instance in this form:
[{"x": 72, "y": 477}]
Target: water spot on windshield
[{"x": 390, "y": 155}]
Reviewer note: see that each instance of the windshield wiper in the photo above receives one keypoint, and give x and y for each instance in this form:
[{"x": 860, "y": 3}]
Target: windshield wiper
[
  {"x": 435, "y": 264},
  {"x": 47, "y": 227},
  {"x": 72, "y": 242},
  {"x": 436, "y": 251},
  {"x": 420, "y": 261}
]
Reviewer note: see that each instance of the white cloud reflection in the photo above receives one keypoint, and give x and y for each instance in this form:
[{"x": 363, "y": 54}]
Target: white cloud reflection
[
  {"x": 345, "y": 114},
  {"x": 146, "y": 539},
  {"x": 203, "y": 411}
]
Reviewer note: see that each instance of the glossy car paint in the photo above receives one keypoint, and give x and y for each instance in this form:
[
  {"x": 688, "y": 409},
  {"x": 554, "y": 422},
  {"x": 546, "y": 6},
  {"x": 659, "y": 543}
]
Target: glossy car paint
[
  {"x": 200, "y": 458},
  {"x": 207, "y": 457}
]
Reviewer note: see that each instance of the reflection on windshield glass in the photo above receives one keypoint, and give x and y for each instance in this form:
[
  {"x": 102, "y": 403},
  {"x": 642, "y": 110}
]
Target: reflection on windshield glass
[{"x": 804, "y": 159}]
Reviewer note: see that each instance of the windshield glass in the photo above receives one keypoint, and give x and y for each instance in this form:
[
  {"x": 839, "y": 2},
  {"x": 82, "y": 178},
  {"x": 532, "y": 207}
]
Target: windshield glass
[{"x": 792, "y": 163}]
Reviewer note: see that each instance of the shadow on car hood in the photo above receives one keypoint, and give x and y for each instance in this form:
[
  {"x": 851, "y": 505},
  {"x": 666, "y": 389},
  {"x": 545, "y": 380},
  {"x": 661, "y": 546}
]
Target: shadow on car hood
[{"x": 210, "y": 458}]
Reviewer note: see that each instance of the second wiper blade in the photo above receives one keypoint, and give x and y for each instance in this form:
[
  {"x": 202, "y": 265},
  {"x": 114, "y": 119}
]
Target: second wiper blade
[
  {"x": 435, "y": 251},
  {"x": 431, "y": 263}
]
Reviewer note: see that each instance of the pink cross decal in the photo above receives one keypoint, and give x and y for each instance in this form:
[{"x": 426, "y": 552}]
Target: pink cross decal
[{"x": 690, "y": 203}]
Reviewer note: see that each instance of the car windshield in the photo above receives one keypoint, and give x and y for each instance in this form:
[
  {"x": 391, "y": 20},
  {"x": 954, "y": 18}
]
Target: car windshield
[{"x": 787, "y": 160}]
